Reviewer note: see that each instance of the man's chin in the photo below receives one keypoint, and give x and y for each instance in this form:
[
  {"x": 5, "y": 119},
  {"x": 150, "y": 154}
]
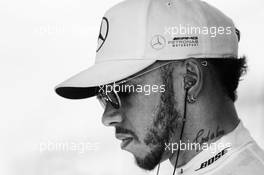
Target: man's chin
[{"x": 150, "y": 161}]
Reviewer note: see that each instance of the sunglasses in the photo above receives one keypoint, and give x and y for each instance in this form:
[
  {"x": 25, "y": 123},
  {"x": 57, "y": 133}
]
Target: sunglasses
[
  {"x": 112, "y": 97},
  {"x": 109, "y": 97}
]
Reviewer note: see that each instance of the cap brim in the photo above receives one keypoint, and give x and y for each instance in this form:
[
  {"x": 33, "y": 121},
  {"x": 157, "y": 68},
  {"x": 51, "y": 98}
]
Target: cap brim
[{"x": 86, "y": 83}]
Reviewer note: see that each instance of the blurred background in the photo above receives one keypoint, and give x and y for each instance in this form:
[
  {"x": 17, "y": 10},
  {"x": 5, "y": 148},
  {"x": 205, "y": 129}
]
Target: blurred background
[{"x": 43, "y": 42}]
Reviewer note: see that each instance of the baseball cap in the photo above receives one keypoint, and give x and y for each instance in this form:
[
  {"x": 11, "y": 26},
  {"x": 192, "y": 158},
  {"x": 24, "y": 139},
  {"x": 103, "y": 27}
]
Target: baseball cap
[{"x": 136, "y": 33}]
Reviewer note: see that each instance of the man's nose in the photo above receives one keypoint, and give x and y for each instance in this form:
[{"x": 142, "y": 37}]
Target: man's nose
[{"x": 111, "y": 116}]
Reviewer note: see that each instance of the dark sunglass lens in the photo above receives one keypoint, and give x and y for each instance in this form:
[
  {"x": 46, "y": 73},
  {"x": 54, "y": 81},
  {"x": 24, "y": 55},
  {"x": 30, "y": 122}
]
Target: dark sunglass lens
[{"x": 113, "y": 99}]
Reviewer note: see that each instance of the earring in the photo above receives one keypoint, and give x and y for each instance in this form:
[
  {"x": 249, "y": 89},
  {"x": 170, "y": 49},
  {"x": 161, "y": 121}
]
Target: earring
[
  {"x": 204, "y": 63},
  {"x": 191, "y": 99}
]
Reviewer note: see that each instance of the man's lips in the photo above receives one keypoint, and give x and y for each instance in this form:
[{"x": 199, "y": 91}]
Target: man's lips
[
  {"x": 126, "y": 142},
  {"x": 126, "y": 139}
]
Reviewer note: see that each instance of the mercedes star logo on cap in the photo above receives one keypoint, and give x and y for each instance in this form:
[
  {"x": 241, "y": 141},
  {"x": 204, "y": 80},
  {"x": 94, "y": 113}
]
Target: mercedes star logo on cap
[
  {"x": 103, "y": 33},
  {"x": 158, "y": 42}
]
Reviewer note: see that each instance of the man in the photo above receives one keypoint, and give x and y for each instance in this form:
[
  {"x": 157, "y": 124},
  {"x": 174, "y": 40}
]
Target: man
[{"x": 166, "y": 73}]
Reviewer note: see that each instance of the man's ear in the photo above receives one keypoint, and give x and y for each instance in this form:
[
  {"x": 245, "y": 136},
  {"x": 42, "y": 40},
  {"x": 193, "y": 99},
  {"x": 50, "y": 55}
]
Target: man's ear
[{"x": 193, "y": 78}]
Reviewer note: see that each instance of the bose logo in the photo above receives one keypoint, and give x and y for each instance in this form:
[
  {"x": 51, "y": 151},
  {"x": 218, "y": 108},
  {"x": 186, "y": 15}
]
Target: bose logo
[{"x": 213, "y": 159}]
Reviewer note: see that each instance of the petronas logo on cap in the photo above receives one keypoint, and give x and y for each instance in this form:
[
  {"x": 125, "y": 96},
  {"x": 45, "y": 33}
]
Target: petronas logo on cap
[{"x": 103, "y": 33}]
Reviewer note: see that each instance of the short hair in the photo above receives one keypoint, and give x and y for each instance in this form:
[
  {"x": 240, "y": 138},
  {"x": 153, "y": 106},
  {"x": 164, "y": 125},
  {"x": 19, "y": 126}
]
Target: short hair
[{"x": 229, "y": 72}]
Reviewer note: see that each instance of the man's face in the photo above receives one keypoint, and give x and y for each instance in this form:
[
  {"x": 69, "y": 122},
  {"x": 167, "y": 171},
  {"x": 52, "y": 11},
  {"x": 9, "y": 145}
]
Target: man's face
[{"x": 145, "y": 123}]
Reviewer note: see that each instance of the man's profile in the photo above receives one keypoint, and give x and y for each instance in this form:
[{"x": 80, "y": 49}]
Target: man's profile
[{"x": 185, "y": 53}]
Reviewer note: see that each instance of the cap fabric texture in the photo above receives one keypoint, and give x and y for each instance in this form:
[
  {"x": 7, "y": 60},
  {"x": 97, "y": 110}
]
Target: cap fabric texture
[{"x": 136, "y": 33}]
